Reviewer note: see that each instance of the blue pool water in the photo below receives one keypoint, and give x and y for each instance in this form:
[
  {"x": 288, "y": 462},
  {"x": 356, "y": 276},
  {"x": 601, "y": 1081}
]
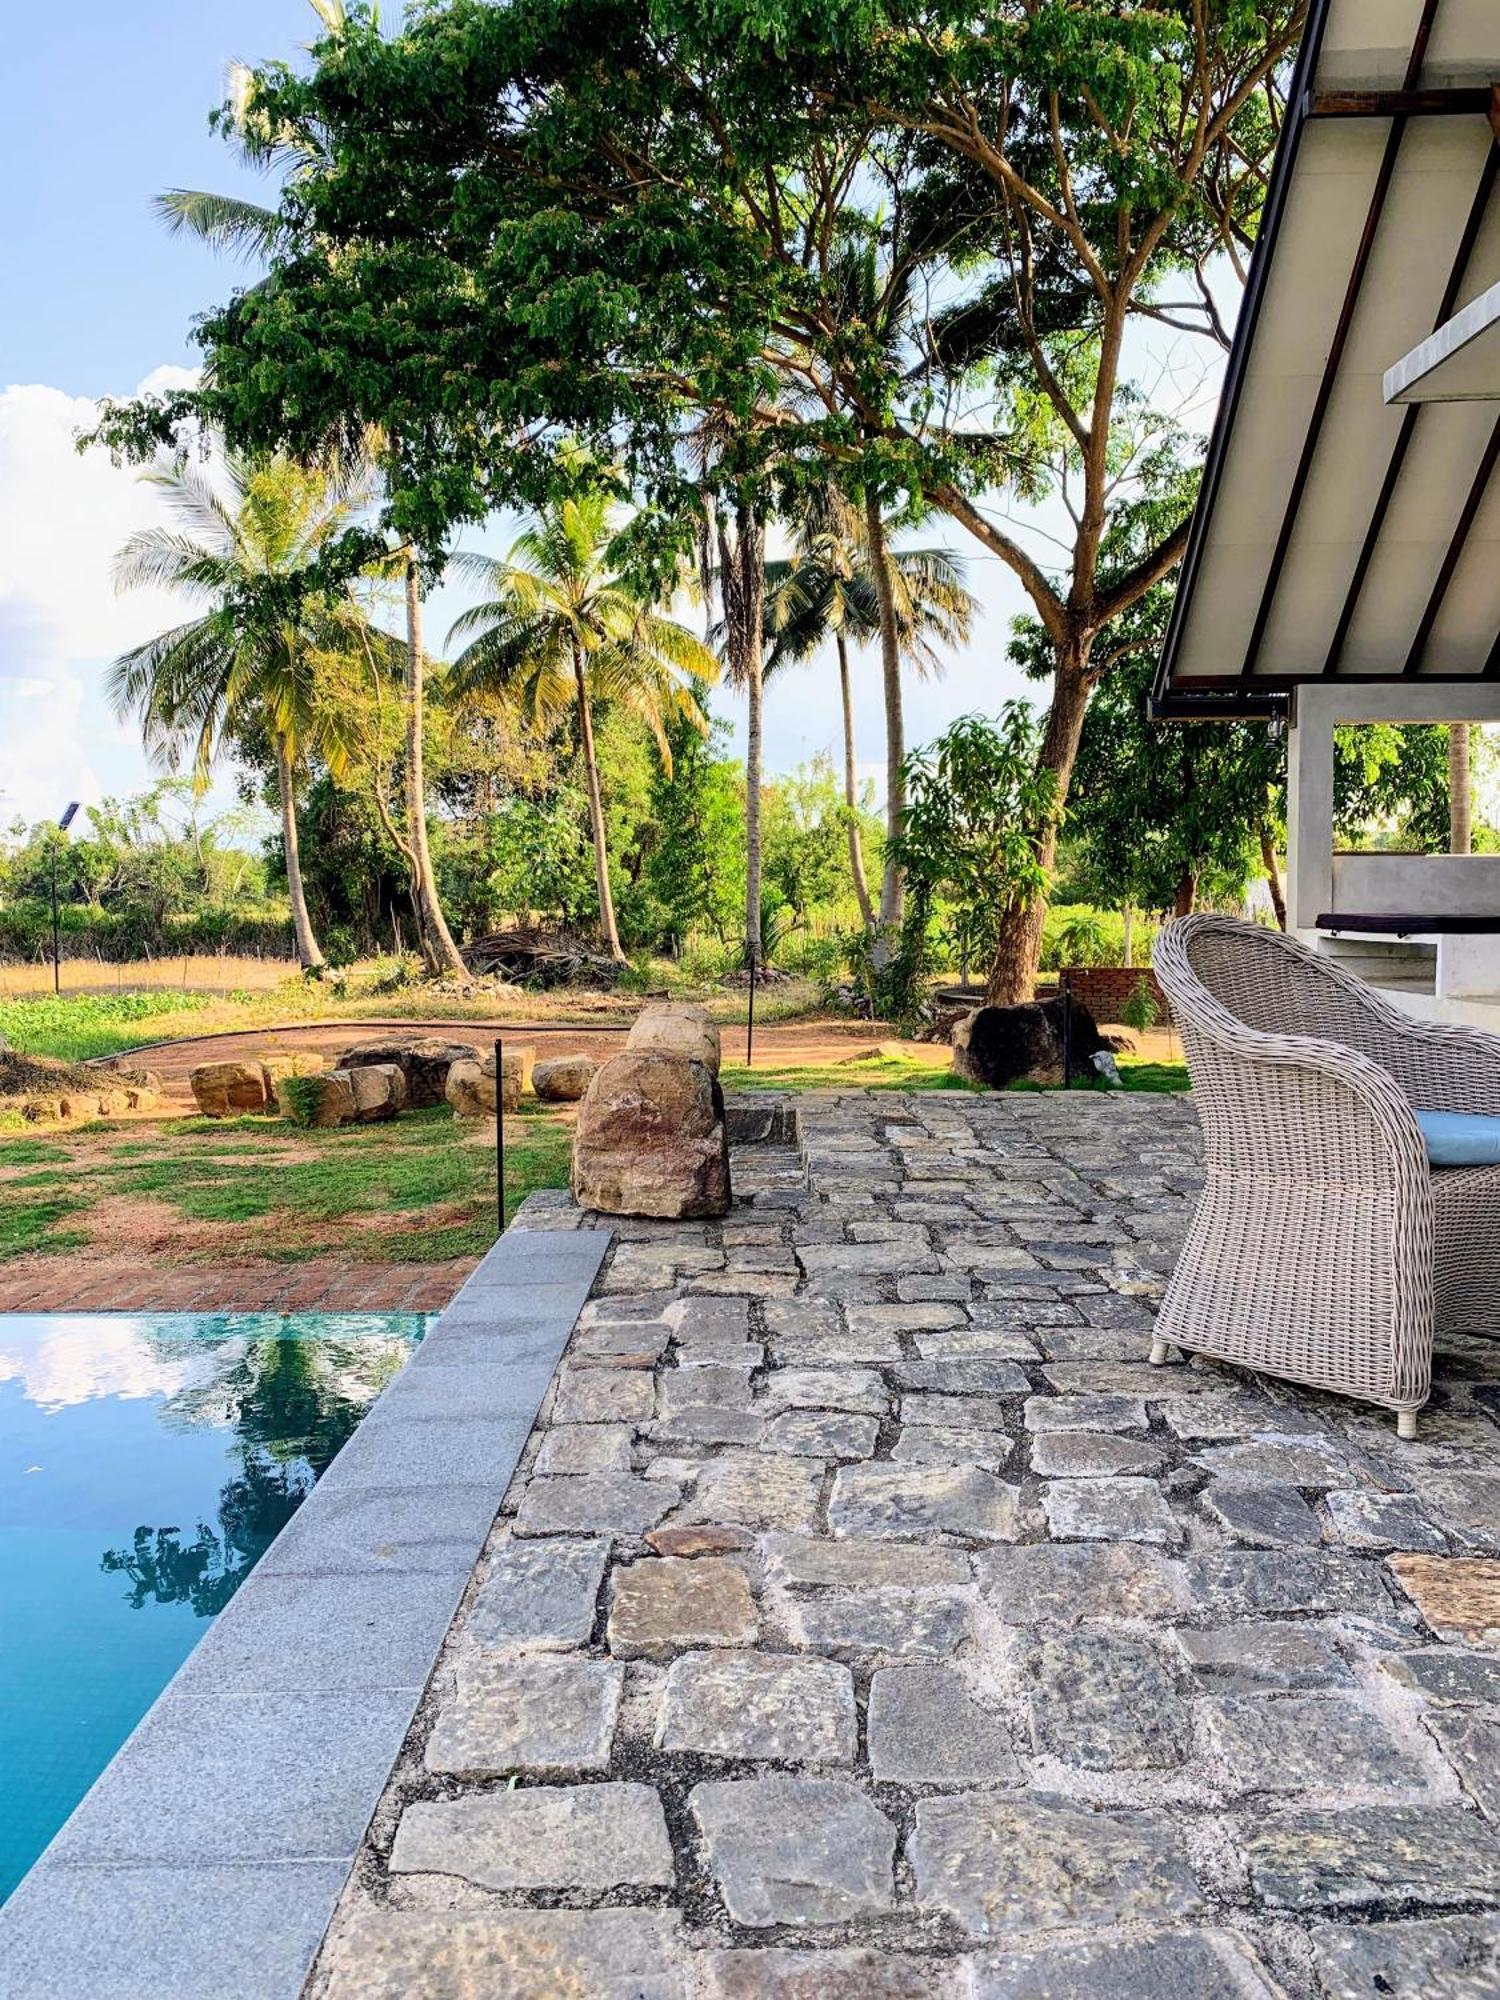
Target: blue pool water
[{"x": 145, "y": 1463}]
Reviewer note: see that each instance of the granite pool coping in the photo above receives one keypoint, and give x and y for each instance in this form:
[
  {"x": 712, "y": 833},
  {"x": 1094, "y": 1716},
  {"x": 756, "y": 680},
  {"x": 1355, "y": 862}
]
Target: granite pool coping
[{"x": 207, "y": 1858}]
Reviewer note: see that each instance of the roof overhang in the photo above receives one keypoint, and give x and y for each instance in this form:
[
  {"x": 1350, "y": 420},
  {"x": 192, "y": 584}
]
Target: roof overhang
[{"x": 1339, "y": 536}]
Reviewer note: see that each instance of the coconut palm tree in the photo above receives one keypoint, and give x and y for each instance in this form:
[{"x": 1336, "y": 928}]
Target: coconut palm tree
[
  {"x": 559, "y": 631},
  {"x": 251, "y": 659},
  {"x": 829, "y": 589}
]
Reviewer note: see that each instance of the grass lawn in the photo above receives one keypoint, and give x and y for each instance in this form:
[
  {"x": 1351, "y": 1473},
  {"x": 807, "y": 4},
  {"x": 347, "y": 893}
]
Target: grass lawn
[{"x": 420, "y": 1189}]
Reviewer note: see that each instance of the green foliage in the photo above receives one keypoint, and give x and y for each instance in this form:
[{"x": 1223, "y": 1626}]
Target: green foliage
[
  {"x": 1140, "y": 1011},
  {"x": 299, "y": 1097},
  {"x": 77, "y": 1027},
  {"x": 1083, "y": 940}
]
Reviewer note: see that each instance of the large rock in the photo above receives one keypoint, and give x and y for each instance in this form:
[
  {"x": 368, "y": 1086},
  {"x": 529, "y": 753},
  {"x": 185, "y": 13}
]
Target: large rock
[
  {"x": 279, "y": 1064},
  {"x": 651, "y": 1139},
  {"x": 379, "y": 1091},
  {"x": 424, "y": 1064},
  {"x": 1001, "y": 1045},
  {"x": 224, "y": 1089},
  {"x": 330, "y": 1099},
  {"x": 470, "y": 1086},
  {"x": 676, "y": 1028},
  {"x": 563, "y": 1079}
]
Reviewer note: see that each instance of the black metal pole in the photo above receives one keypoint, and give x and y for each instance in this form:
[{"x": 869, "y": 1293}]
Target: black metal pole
[
  {"x": 750, "y": 1017},
  {"x": 56, "y": 944},
  {"x": 1067, "y": 1000},
  {"x": 500, "y": 1135}
]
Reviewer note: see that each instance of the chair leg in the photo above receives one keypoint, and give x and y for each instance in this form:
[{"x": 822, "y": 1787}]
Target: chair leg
[
  {"x": 1159, "y": 1352},
  {"x": 1406, "y": 1424}
]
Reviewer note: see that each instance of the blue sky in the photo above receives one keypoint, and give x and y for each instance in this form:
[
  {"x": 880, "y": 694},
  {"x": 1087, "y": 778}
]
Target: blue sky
[{"x": 106, "y": 107}]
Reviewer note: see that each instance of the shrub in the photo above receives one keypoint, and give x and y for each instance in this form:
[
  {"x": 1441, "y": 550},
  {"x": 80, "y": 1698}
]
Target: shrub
[{"x": 1140, "y": 1011}]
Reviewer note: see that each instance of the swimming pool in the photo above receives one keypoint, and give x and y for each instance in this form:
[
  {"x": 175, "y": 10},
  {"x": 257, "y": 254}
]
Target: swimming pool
[{"x": 146, "y": 1462}]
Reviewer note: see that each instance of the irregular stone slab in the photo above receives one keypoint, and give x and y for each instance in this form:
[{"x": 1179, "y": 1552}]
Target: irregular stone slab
[
  {"x": 725, "y": 1384},
  {"x": 1249, "y": 1584},
  {"x": 953, "y": 1412},
  {"x": 592, "y": 1837},
  {"x": 1362, "y": 1520},
  {"x": 1085, "y": 1413},
  {"x": 1445, "y": 1675},
  {"x": 707, "y": 1424},
  {"x": 823, "y": 1434},
  {"x": 597, "y": 1503},
  {"x": 383, "y": 1954},
  {"x": 694, "y": 1541},
  {"x": 1360, "y": 1857},
  {"x": 961, "y": 1377},
  {"x": 1171, "y": 1965},
  {"x": 1304, "y": 1744},
  {"x": 862, "y": 1565},
  {"x": 776, "y": 1974},
  {"x": 951, "y": 1444},
  {"x": 999, "y": 1866},
  {"x": 767, "y": 1706},
  {"x": 914, "y": 1502},
  {"x": 1109, "y": 1510},
  {"x": 1455, "y": 1594},
  {"x": 1467, "y": 1504},
  {"x": 660, "y": 1607},
  {"x": 551, "y": 1715},
  {"x": 1456, "y": 1958},
  {"x": 857, "y": 1389},
  {"x": 788, "y": 1850},
  {"x": 1091, "y": 1455},
  {"x": 1264, "y": 1516},
  {"x": 1471, "y": 1744},
  {"x": 575, "y": 1448},
  {"x": 1255, "y": 1659},
  {"x": 925, "y": 1728},
  {"x": 916, "y": 1317},
  {"x": 986, "y": 1342},
  {"x": 1105, "y": 1702},
  {"x": 1281, "y": 1461},
  {"x": 758, "y": 1490},
  {"x": 1061, "y": 1585},
  {"x": 918, "y": 1625},
  {"x": 603, "y": 1396},
  {"x": 539, "y": 1594}
]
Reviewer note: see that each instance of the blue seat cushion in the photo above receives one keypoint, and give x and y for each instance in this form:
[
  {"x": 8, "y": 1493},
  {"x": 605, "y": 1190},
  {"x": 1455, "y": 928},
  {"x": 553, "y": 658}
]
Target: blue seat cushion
[{"x": 1460, "y": 1139}]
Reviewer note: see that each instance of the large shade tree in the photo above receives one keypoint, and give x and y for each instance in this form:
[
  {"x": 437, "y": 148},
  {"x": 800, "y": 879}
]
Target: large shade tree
[
  {"x": 561, "y": 631},
  {"x": 252, "y": 660}
]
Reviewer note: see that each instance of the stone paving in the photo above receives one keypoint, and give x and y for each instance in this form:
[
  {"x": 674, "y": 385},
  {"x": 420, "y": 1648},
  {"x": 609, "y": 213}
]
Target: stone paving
[{"x": 866, "y": 1618}]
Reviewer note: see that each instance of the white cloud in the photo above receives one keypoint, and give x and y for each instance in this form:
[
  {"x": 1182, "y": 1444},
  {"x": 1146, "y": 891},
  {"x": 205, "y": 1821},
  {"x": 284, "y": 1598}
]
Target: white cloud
[{"x": 62, "y": 517}]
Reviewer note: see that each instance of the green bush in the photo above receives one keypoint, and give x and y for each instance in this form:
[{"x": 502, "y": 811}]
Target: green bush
[
  {"x": 299, "y": 1097},
  {"x": 1140, "y": 1011}
]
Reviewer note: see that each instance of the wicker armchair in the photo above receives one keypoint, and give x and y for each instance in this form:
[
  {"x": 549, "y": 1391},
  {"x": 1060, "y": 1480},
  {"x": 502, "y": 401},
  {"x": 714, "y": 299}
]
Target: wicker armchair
[{"x": 1324, "y": 1249}]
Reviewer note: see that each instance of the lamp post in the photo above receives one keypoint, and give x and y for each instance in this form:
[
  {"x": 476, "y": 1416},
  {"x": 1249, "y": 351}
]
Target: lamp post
[{"x": 62, "y": 826}]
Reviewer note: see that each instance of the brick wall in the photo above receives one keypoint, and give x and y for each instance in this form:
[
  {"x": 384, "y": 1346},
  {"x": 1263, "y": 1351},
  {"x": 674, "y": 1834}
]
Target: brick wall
[{"x": 1104, "y": 989}]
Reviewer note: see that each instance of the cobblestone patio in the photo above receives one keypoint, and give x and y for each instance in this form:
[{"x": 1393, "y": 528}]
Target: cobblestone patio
[{"x": 866, "y": 1618}]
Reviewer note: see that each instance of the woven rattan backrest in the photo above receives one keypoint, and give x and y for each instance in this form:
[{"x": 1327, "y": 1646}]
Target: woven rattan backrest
[{"x": 1279, "y": 987}]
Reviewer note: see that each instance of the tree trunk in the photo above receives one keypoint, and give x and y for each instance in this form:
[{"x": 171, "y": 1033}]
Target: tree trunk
[
  {"x": 1272, "y": 867},
  {"x": 1460, "y": 791},
  {"x": 308, "y": 955},
  {"x": 596, "y": 813},
  {"x": 443, "y": 954},
  {"x": 851, "y": 793},
  {"x": 1187, "y": 893},
  {"x": 893, "y": 877},
  {"x": 1127, "y": 926},
  {"x": 1018, "y": 943},
  {"x": 742, "y": 587}
]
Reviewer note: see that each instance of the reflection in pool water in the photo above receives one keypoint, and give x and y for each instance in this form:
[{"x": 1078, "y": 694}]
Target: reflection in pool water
[{"x": 145, "y": 1465}]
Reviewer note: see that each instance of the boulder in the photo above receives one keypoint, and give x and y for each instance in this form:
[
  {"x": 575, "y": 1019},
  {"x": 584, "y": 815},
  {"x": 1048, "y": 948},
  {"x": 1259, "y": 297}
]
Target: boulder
[
  {"x": 279, "y": 1064},
  {"x": 1002, "y": 1045},
  {"x": 676, "y": 1028},
  {"x": 331, "y": 1097},
  {"x": 651, "y": 1139},
  {"x": 471, "y": 1085},
  {"x": 224, "y": 1089},
  {"x": 563, "y": 1079},
  {"x": 424, "y": 1064},
  {"x": 379, "y": 1091}
]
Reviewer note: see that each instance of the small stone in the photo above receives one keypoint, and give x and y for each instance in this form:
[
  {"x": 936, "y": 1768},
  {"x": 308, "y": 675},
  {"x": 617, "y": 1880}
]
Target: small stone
[
  {"x": 1106, "y": 1703},
  {"x": 1363, "y": 1520},
  {"x": 725, "y": 1385},
  {"x": 1171, "y": 1965},
  {"x": 550, "y": 1715},
  {"x": 706, "y": 1424},
  {"x": 918, "y": 1625},
  {"x": 1109, "y": 1510},
  {"x": 1471, "y": 1744},
  {"x": 659, "y": 1607},
  {"x": 599, "y": 1503},
  {"x": 977, "y": 1377},
  {"x": 858, "y": 1565},
  {"x": 1455, "y": 1594},
  {"x": 593, "y": 1837},
  {"x": 758, "y": 1490},
  {"x": 823, "y": 1434},
  {"x": 695, "y": 1541},
  {"x": 777, "y": 1974},
  {"x": 766, "y": 1706},
  {"x": 857, "y": 1389},
  {"x": 1251, "y": 1583},
  {"x": 1264, "y": 1516},
  {"x": 914, "y": 1502},
  {"x": 1062, "y": 1585},
  {"x": 539, "y": 1594},
  {"x": 1448, "y": 1958},
  {"x": 953, "y": 1412},
  {"x": 786, "y": 1850},
  {"x": 1354, "y": 1858},
  {"x": 1256, "y": 1659},
  {"x": 386, "y": 1954},
  {"x": 1091, "y": 1455},
  {"x": 946, "y": 1444},
  {"x": 925, "y": 1728},
  {"x": 917, "y": 1317},
  {"x": 603, "y": 1396},
  {"x": 1304, "y": 1744},
  {"x": 999, "y": 1866},
  {"x": 575, "y": 1448},
  {"x": 1085, "y": 1413}
]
